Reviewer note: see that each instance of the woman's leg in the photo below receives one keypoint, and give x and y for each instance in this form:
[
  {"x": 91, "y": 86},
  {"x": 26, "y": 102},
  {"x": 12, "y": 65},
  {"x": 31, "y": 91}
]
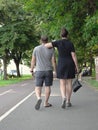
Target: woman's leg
[
  {"x": 63, "y": 88},
  {"x": 63, "y": 92},
  {"x": 68, "y": 90}
]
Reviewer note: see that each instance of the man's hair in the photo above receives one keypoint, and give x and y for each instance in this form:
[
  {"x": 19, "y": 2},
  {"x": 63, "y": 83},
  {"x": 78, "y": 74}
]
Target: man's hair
[
  {"x": 64, "y": 32},
  {"x": 44, "y": 39}
]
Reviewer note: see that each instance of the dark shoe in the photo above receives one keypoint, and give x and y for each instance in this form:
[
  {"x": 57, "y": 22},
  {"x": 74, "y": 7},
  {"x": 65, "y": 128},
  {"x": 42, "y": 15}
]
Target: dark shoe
[
  {"x": 64, "y": 104},
  {"x": 37, "y": 106},
  {"x": 68, "y": 104},
  {"x": 49, "y": 105}
]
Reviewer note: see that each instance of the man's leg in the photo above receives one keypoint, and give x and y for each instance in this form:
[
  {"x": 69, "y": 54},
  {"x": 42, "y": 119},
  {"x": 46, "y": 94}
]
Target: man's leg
[
  {"x": 38, "y": 91},
  {"x": 47, "y": 95},
  {"x": 38, "y": 95},
  {"x": 48, "y": 83}
]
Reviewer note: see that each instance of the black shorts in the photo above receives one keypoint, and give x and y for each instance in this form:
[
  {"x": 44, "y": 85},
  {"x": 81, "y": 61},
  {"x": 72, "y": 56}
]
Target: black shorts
[{"x": 42, "y": 77}]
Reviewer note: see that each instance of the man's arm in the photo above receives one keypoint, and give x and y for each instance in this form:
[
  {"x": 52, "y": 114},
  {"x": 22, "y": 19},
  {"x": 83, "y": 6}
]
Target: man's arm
[{"x": 33, "y": 62}]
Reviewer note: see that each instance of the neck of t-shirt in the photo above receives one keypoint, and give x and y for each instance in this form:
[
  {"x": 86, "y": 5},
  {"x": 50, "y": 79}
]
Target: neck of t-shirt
[{"x": 64, "y": 37}]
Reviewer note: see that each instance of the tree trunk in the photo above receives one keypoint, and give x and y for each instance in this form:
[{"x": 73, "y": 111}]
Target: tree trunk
[
  {"x": 5, "y": 68},
  {"x": 17, "y": 67},
  {"x": 17, "y": 61},
  {"x": 91, "y": 63}
]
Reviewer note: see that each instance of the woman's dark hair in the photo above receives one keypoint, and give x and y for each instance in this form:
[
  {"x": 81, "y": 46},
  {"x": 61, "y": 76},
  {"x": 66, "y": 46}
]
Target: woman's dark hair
[
  {"x": 64, "y": 32},
  {"x": 44, "y": 39}
]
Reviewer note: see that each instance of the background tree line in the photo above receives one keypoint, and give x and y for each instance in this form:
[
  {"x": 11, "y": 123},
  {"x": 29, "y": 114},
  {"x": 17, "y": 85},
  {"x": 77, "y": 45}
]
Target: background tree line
[{"x": 22, "y": 22}]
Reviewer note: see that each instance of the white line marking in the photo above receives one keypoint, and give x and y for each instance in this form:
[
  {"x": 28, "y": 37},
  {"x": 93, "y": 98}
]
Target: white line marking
[
  {"x": 17, "y": 105},
  {"x": 5, "y": 92}
]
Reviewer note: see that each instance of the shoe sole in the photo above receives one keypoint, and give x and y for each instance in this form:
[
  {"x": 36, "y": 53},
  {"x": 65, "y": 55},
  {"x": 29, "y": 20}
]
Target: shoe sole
[{"x": 37, "y": 106}]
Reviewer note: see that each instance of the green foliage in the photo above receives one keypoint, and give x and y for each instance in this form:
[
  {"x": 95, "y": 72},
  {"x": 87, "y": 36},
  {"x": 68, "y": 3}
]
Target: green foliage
[
  {"x": 49, "y": 16},
  {"x": 21, "y": 19},
  {"x": 16, "y": 31},
  {"x": 91, "y": 29}
]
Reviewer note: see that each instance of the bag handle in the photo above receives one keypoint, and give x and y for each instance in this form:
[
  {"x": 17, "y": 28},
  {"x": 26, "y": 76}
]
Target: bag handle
[{"x": 77, "y": 74}]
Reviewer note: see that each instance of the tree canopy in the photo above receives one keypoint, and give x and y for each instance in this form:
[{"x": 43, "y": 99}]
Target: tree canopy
[
  {"x": 16, "y": 32},
  {"x": 22, "y": 22},
  {"x": 79, "y": 17}
]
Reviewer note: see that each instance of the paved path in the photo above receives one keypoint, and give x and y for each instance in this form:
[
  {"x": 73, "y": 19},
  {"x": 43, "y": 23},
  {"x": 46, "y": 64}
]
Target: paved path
[{"x": 83, "y": 115}]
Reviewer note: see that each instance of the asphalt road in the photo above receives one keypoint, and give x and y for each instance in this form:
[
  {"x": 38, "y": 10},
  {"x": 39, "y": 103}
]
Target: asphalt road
[{"x": 17, "y": 109}]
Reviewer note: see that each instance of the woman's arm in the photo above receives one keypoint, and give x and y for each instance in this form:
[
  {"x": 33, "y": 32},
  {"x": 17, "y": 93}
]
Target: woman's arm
[
  {"x": 54, "y": 63},
  {"x": 48, "y": 45},
  {"x": 54, "y": 66},
  {"x": 74, "y": 57}
]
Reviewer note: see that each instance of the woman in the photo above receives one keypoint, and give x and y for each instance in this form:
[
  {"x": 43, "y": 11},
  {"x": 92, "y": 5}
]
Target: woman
[{"x": 67, "y": 66}]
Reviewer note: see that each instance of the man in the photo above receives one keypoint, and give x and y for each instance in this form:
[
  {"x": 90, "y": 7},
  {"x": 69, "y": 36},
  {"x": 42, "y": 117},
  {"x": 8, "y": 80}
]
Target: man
[{"x": 44, "y": 60}]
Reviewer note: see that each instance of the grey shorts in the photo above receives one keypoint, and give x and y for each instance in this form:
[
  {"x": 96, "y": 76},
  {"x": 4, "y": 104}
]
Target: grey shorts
[{"x": 42, "y": 77}]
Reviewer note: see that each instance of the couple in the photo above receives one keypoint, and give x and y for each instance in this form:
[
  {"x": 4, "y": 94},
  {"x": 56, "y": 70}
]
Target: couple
[{"x": 44, "y": 59}]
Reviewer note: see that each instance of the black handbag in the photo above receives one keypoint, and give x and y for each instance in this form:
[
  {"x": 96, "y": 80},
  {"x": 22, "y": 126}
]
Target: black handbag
[{"x": 76, "y": 85}]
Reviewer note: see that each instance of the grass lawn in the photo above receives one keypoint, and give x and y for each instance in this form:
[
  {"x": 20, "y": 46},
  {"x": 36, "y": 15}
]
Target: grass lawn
[
  {"x": 93, "y": 83},
  {"x": 14, "y": 80}
]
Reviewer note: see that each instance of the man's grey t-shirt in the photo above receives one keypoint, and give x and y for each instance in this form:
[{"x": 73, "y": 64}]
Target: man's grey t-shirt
[{"x": 43, "y": 57}]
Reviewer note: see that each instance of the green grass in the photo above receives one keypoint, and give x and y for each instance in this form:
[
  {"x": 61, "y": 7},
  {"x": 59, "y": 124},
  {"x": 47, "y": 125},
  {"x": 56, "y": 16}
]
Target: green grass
[
  {"x": 93, "y": 83},
  {"x": 14, "y": 80}
]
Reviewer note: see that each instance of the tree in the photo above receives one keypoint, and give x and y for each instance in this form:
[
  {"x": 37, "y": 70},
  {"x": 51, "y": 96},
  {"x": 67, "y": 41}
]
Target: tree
[
  {"x": 16, "y": 32},
  {"x": 79, "y": 17}
]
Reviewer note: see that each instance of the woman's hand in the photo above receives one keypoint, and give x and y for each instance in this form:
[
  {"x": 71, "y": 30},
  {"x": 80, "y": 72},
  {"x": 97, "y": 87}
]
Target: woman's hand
[{"x": 54, "y": 74}]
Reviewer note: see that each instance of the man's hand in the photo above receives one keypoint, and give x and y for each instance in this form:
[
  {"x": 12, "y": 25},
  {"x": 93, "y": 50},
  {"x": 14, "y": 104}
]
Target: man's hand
[{"x": 31, "y": 72}]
